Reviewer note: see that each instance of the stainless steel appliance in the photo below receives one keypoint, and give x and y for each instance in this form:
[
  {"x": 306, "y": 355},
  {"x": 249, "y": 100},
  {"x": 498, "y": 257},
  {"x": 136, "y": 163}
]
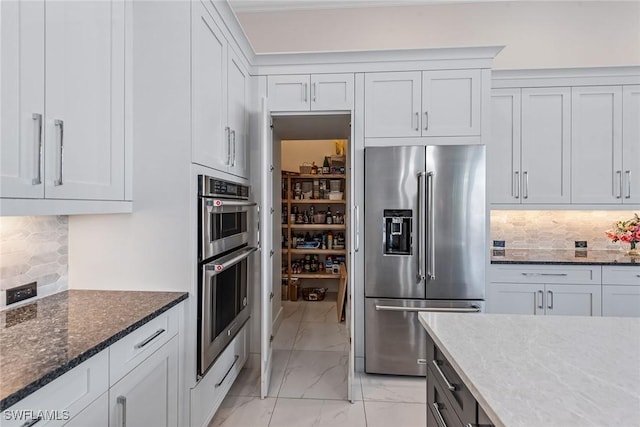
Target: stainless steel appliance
[
  {"x": 425, "y": 246},
  {"x": 224, "y": 247}
]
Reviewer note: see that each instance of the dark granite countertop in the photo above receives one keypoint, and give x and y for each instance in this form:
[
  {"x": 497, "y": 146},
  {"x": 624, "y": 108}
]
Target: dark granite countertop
[
  {"x": 42, "y": 340},
  {"x": 561, "y": 257}
]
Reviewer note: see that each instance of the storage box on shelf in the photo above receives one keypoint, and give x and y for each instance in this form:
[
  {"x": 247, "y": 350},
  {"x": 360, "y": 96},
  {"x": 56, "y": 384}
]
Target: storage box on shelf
[{"x": 313, "y": 228}]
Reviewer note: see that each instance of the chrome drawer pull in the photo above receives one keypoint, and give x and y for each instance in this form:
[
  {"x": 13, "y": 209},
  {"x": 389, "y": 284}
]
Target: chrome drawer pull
[
  {"x": 32, "y": 422},
  {"x": 450, "y": 386},
  {"x": 545, "y": 274},
  {"x": 235, "y": 359},
  {"x": 148, "y": 340},
  {"x": 440, "y": 419}
]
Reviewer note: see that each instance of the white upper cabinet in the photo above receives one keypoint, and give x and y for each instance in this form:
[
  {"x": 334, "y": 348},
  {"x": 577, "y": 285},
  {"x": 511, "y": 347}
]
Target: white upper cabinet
[
  {"x": 219, "y": 98},
  {"x": 423, "y": 103},
  {"x": 546, "y": 149},
  {"x": 597, "y": 172},
  {"x": 315, "y": 92},
  {"x": 63, "y": 100},
  {"x": 631, "y": 144},
  {"x": 529, "y": 149}
]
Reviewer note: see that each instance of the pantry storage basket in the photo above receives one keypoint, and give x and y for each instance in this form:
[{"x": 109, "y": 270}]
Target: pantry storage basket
[
  {"x": 314, "y": 294},
  {"x": 305, "y": 168}
]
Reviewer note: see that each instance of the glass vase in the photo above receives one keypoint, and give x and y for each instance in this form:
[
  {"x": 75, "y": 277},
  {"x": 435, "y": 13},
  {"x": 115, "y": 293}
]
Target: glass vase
[{"x": 633, "y": 250}]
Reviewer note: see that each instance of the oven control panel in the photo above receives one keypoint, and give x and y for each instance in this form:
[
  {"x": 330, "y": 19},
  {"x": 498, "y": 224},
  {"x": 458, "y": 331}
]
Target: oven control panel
[{"x": 211, "y": 187}]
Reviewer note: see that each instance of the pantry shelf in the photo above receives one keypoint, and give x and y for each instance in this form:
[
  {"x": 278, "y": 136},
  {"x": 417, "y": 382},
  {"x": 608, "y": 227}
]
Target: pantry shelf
[
  {"x": 317, "y": 226},
  {"x": 315, "y": 276},
  {"x": 316, "y": 201},
  {"x": 316, "y": 251}
]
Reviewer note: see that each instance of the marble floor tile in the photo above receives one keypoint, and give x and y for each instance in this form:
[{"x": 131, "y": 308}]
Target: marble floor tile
[
  {"x": 317, "y": 413},
  {"x": 292, "y": 311},
  {"x": 248, "y": 381},
  {"x": 385, "y": 414},
  {"x": 320, "y": 311},
  {"x": 390, "y": 388},
  {"x": 286, "y": 335},
  {"x": 322, "y": 337},
  {"x": 316, "y": 375},
  {"x": 356, "y": 389},
  {"x": 241, "y": 411}
]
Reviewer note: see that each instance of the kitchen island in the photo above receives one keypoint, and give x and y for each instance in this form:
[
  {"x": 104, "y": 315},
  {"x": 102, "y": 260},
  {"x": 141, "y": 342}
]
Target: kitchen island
[{"x": 544, "y": 370}]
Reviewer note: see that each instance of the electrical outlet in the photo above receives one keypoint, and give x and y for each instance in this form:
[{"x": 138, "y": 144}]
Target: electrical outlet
[
  {"x": 581, "y": 244},
  {"x": 21, "y": 293},
  {"x": 498, "y": 243}
]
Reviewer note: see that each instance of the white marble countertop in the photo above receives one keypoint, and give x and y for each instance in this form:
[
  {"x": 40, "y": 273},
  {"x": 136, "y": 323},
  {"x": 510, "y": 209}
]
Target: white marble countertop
[{"x": 545, "y": 370}]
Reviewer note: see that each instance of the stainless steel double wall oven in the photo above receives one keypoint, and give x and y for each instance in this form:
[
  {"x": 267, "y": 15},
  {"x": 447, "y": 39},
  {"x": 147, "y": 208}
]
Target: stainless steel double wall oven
[{"x": 226, "y": 240}]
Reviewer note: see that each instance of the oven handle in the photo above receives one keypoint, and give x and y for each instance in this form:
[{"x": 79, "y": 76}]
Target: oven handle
[
  {"x": 218, "y": 203},
  {"x": 472, "y": 309},
  {"x": 219, "y": 265}
]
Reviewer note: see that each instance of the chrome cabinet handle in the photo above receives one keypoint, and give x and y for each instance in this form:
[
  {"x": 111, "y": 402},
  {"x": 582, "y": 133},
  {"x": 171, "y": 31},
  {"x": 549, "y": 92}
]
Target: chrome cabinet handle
[
  {"x": 356, "y": 215},
  {"x": 122, "y": 401},
  {"x": 37, "y": 138},
  {"x": 619, "y": 174},
  {"x": 422, "y": 260},
  {"x": 146, "y": 341},
  {"x": 227, "y": 129},
  {"x": 426, "y": 120},
  {"x": 550, "y": 302},
  {"x": 313, "y": 88},
  {"x": 450, "y": 386},
  {"x": 472, "y": 309},
  {"x": 304, "y": 92},
  {"x": 541, "y": 299},
  {"x": 439, "y": 418},
  {"x": 431, "y": 273},
  {"x": 628, "y": 175},
  {"x": 235, "y": 359},
  {"x": 545, "y": 274},
  {"x": 59, "y": 124},
  {"x": 525, "y": 193},
  {"x": 417, "y": 121},
  {"x": 233, "y": 138},
  {"x": 516, "y": 185},
  {"x": 32, "y": 422}
]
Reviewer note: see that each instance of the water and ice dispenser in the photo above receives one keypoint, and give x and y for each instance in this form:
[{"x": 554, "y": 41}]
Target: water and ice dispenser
[{"x": 397, "y": 231}]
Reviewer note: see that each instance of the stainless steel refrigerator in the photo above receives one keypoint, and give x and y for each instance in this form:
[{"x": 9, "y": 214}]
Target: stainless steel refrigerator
[{"x": 425, "y": 246}]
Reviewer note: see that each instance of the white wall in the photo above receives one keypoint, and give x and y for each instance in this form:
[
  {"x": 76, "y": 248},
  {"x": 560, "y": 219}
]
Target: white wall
[
  {"x": 537, "y": 34},
  {"x": 296, "y": 153}
]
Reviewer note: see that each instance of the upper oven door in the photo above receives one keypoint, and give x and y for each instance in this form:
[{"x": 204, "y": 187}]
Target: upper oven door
[{"x": 224, "y": 225}]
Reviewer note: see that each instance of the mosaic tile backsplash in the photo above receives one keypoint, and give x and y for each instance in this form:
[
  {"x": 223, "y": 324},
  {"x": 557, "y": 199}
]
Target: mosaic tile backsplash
[
  {"x": 556, "y": 229},
  {"x": 34, "y": 248}
]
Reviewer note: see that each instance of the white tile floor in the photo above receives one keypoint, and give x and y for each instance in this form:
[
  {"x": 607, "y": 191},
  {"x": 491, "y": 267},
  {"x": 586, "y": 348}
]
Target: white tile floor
[{"x": 309, "y": 381}]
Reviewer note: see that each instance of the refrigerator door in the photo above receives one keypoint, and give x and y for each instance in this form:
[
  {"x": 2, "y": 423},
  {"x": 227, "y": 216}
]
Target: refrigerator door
[
  {"x": 395, "y": 342},
  {"x": 455, "y": 222},
  {"x": 391, "y": 219}
]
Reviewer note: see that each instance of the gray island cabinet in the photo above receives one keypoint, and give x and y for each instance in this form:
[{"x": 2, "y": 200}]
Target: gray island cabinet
[{"x": 529, "y": 371}]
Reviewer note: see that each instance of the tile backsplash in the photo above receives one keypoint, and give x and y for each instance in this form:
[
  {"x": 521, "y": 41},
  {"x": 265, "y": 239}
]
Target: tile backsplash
[
  {"x": 34, "y": 248},
  {"x": 555, "y": 229}
]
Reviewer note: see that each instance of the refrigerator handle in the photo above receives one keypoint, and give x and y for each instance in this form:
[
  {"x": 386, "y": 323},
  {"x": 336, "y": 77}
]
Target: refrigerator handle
[
  {"x": 421, "y": 227},
  {"x": 471, "y": 309},
  {"x": 431, "y": 271}
]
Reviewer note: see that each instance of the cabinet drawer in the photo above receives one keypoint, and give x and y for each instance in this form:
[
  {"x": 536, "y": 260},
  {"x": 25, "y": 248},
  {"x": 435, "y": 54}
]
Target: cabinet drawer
[
  {"x": 546, "y": 274},
  {"x": 442, "y": 411},
  {"x": 621, "y": 275},
  {"x": 131, "y": 350},
  {"x": 65, "y": 397},
  {"x": 456, "y": 392}
]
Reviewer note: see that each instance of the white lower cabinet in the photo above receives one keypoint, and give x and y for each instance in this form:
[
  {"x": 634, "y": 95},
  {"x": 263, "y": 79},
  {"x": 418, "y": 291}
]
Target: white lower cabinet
[
  {"x": 148, "y": 395},
  {"x": 621, "y": 291},
  {"x": 94, "y": 415},
  {"x": 208, "y": 394},
  {"x": 540, "y": 290}
]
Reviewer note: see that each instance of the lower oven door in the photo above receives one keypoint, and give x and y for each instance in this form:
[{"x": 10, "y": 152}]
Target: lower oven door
[
  {"x": 224, "y": 305},
  {"x": 395, "y": 341},
  {"x": 224, "y": 225}
]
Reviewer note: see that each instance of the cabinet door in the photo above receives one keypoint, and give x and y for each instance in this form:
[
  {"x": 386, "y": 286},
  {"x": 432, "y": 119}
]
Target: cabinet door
[
  {"x": 289, "y": 93},
  {"x": 84, "y": 100},
  {"x": 596, "y": 145},
  {"x": 503, "y": 152},
  {"x": 451, "y": 103},
  {"x": 94, "y": 415},
  {"x": 392, "y": 104},
  {"x": 515, "y": 298},
  {"x": 621, "y": 301},
  {"x": 237, "y": 88},
  {"x": 148, "y": 395},
  {"x": 211, "y": 143},
  {"x": 545, "y": 133},
  {"x": 631, "y": 143},
  {"x": 575, "y": 300},
  {"x": 21, "y": 98},
  {"x": 331, "y": 92}
]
